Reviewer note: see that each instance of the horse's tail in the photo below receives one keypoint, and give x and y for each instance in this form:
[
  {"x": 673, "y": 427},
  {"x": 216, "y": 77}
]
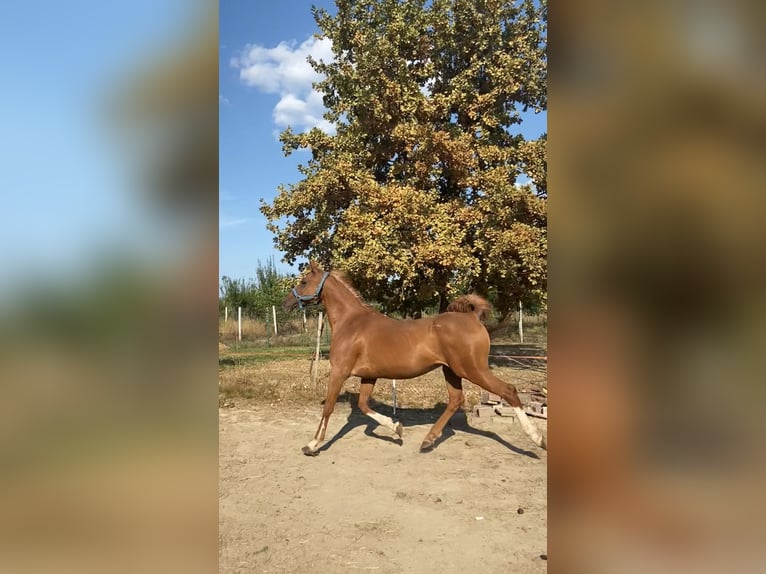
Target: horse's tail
[{"x": 470, "y": 304}]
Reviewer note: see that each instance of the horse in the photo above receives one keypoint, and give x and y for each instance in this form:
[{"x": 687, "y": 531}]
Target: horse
[{"x": 370, "y": 345}]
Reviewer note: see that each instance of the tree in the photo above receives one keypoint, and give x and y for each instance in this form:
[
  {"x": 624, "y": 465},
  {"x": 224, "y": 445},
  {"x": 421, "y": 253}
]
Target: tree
[
  {"x": 256, "y": 296},
  {"x": 416, "y": 193}
]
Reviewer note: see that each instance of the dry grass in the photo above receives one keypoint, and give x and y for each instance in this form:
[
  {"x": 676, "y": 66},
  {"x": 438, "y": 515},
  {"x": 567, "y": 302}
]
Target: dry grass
[
  {"x": 535, "y": 330},
  {"x": 265, "y": 368},
  {"x": 291, "y": 332},
  {"x": 275, "y": 381},
  {"x": 251, "y": 329},
  {"x": 289, "y": 381}
]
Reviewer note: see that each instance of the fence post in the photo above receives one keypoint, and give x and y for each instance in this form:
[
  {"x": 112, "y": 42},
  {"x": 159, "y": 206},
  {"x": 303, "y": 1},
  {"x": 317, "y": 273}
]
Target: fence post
[
  {"x": 393, "y": 386},
  {"x": 521, "y": 323},
  {"x": 315, "y": 370},
  {"x": 239, "y": 324},
  {"x": 274, "y": 314},
  {"x": 226, "y": 314}
]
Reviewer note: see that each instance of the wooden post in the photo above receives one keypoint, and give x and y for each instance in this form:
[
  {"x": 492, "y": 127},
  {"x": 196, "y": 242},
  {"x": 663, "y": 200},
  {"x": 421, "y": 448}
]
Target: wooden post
[
  {"x": 315, "y": 370},
  {"x": 305, "y": 329},
  {"x": 239, "y": 323},
  {"x": 274, "y": 314},
  {"x": 226, "y": 314},
  {"x": 521, "y": 323}
]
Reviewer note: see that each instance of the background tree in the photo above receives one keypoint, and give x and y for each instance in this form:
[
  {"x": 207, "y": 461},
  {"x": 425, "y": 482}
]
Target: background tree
[
  {"x": 256, "y": 296},
  {"x": 416, "y": 193}
]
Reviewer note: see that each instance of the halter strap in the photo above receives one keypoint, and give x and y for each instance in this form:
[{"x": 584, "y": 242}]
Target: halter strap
[{"x": 304, "y": 300}]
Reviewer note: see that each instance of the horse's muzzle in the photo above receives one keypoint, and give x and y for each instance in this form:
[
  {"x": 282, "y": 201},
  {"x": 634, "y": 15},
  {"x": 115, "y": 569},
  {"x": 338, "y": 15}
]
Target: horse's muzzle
[{"x": 289, "y": 303}]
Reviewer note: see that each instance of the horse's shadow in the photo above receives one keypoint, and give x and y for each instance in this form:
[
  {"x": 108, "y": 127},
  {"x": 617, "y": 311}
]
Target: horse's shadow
[{"x": 411, "y": 417}]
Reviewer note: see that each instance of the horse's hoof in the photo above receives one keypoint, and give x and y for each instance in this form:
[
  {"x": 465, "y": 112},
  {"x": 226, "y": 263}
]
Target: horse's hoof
[
  {"x": 309, "y": 452},
  {"x": 399, "y": 429},
  {"x": 427, "y": 445}
]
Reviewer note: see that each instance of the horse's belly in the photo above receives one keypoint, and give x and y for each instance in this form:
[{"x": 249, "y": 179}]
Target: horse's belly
[{"x": 394, "y": 369}]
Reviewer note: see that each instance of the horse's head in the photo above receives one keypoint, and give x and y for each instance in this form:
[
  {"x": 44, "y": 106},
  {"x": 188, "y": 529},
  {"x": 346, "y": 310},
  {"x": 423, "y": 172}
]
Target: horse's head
[{"x": 309, "y": 288}]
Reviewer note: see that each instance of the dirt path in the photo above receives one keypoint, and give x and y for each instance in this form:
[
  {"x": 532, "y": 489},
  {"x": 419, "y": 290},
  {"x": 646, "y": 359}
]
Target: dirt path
[{"x": 370, "y": 504}]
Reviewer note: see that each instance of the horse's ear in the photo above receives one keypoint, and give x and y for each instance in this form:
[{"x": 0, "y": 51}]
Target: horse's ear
[{"x": 313, "y": 266}]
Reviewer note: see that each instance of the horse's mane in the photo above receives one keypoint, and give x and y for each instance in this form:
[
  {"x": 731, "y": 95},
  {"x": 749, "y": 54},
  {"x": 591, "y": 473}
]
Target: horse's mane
[{"x": 343, "y": 277}]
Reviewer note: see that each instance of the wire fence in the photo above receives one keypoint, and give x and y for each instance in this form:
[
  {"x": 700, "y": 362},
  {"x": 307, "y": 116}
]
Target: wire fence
[
  {"x": 270, "y": 327},
  {"x": 273, "y": 326}
]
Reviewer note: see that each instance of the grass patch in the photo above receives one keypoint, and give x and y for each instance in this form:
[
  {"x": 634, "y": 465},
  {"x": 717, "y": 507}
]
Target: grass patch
[
  {"x": 289, "y": 381},
  {"x": 286, "y": 380},
  {"x": 250, "y": 354}
]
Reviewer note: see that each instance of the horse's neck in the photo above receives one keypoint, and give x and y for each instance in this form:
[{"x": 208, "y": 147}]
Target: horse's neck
[{"x": 341, "y": 303}]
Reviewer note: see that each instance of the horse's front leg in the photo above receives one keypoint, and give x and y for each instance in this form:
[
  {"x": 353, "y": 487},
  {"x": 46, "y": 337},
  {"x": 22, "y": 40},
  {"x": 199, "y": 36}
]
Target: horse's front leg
[{"x": 337, "y": 378}]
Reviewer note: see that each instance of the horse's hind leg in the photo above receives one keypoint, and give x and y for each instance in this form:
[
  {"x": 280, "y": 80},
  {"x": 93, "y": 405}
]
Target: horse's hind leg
[
  {"x": 486, "y": 380},
  {"x": 365, "y": 392},
  {"x": 337, "y": 378},
  {"x": 456, "y": 400}
]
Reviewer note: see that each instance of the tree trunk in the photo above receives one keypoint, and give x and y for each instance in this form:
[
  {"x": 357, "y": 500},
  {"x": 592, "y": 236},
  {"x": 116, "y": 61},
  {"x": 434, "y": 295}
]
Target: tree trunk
[{"x": 443, "y": 301}]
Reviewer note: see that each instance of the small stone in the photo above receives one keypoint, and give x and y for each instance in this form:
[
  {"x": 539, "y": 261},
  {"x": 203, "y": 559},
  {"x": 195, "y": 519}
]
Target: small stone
[{"x": 520, "y": 510}]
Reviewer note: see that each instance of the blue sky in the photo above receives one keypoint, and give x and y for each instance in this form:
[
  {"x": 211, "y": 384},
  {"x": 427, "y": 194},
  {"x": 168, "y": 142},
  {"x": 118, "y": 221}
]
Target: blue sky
[
  {"x": 251, "y": 162},
  {"x": 264, "y": 87}
]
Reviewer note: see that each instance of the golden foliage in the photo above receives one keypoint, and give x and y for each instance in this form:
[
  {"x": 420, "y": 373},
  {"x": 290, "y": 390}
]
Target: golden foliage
[{"x": 415, "y": 195}]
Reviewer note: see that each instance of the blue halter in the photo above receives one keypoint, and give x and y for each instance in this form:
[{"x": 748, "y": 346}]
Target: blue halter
[{"x": 308, "y": 299}]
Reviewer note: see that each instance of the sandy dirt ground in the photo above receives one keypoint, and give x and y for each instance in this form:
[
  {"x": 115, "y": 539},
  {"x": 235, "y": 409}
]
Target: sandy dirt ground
[{"x": 370, "y": 503}]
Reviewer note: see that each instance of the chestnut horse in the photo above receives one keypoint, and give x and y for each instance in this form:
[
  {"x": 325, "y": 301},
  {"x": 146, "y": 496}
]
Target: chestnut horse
[{"x": 369, "y": 345}]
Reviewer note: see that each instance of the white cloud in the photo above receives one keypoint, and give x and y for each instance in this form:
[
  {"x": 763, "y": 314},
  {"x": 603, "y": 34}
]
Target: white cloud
[
  {"x": 224, "y": 221},
  {"x": 284, "y": 70}
]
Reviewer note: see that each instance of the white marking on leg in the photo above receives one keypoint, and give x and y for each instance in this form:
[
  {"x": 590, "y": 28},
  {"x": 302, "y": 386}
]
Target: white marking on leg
[
  {"x": 529, "y": 427},
  {"x": 322, "y": 429},
  {"x": 382, "y": 420},
  {"x": 319, "y": 436}
]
